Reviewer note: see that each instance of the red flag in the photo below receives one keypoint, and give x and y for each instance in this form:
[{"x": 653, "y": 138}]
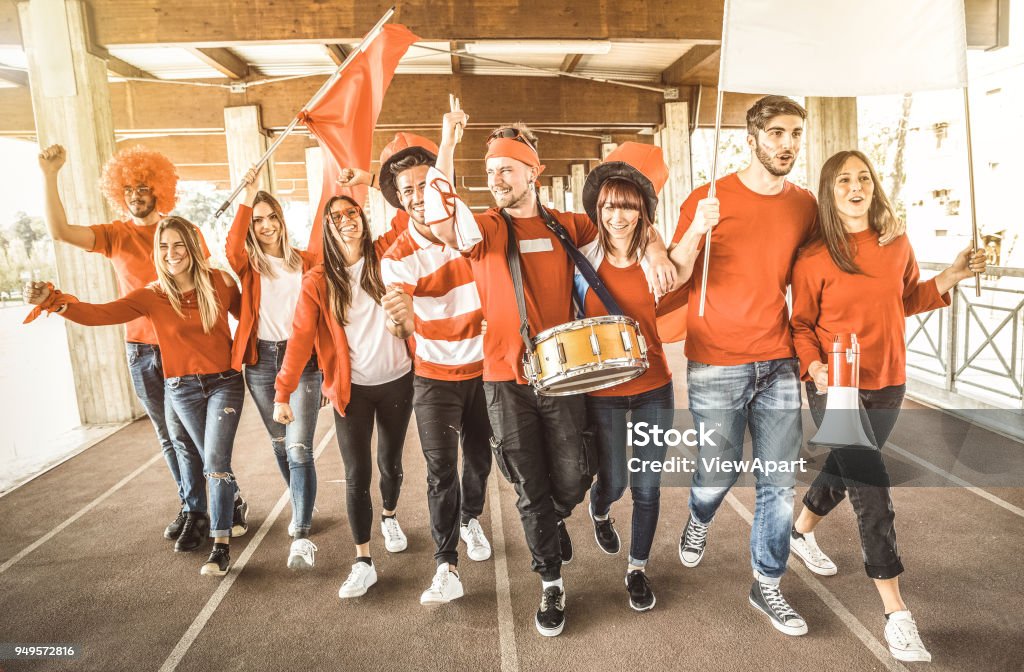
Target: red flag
[{"x": 344, "y": 118}]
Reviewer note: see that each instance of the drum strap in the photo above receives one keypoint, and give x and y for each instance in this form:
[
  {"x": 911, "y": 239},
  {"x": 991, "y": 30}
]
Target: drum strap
[
  {"x": 582, "y": 263},
  {"x": 516, "y": 270}
]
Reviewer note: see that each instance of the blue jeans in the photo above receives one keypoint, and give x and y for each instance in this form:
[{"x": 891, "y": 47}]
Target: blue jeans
[
  {"x": 210, "y": 406},
  {"x": 608, "y": 417},
  {"x": 764, "y": 396},
  {"x": 292, "y": 443},
  {"x": 180, "y": 452}
]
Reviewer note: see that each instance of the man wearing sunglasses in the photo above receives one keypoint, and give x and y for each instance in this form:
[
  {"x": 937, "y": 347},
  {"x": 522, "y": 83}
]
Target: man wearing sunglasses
[
  {"x": 542, "y": 444},
  {"x": 141, "y": 184}
]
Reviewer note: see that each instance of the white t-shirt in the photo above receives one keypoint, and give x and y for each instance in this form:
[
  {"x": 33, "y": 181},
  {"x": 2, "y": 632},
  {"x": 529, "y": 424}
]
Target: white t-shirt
[
  {"x": 278, "y": 297},
  {"x": 377, "y": 357}
]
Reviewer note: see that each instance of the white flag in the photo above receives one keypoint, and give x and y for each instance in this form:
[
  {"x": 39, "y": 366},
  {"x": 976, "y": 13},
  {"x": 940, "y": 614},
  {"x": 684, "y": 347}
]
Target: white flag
[{"x": 833, "y": 48}]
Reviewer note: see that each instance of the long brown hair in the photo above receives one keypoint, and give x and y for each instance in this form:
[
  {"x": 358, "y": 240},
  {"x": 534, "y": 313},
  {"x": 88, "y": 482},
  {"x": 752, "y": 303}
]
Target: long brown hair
[
  {"x": 257, "y": 257},
  {"x": 831, "y": 231},
  {"x": 199, "y": 269},
  {"x": 339, "y": 288},
  {"x": 622, "y": 193}
]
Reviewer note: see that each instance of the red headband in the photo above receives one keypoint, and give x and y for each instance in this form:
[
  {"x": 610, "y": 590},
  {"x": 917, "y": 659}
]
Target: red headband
[{"x": 513, "y": 149}]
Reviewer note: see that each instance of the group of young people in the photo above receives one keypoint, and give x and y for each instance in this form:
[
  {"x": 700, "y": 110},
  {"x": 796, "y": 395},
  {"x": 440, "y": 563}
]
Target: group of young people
[{"x": 424, "y": 319}]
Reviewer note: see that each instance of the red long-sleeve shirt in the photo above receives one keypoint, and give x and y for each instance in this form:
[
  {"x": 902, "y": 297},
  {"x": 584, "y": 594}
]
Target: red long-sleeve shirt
[
  {"x": 185, "y": 348},
  {"x": 874, "y": 305}
]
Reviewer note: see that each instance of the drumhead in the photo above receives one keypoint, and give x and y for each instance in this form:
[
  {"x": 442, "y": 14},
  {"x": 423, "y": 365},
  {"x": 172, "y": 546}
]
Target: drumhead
[
  {"x": 585, "y": 323},
  {"x": 591, "y": 379}
]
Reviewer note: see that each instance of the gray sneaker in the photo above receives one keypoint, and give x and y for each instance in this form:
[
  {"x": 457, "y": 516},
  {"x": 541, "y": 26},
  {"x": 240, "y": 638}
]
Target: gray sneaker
[
  {"x": 693, "y": 542},
  {"x": 767, "y": 598}
]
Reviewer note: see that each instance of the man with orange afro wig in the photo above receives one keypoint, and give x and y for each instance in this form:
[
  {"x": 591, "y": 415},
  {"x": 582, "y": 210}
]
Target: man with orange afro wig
[{"x": 141, "y": 184}]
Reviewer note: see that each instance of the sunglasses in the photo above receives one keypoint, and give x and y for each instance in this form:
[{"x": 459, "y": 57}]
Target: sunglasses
[
  {"x": 141, "y": 190},
  {"x": 512, "y": 134},
  {"x": 349, "y": 213}
]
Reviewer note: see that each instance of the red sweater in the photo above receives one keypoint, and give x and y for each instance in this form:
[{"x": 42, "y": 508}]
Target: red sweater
[
  {"x": 628, "y": 286},
  {"x": 244, "y": 350},
  {"x": 314, "y": 326},
  {"x": 184, "y": 347},
  {"x": 874, "y": 305}
]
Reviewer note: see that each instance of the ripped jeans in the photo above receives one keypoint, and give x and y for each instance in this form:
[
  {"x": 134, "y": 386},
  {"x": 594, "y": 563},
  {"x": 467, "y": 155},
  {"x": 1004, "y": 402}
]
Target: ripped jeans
[
  {"x": 209, "y": 406},
  {"x": 292, "y": 443}
]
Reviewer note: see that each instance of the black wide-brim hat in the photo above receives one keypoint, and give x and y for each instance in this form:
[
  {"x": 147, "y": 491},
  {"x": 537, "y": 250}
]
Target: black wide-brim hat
[
  {"x": 643, "y": 165},
  {"x": 402, "y": 146}
]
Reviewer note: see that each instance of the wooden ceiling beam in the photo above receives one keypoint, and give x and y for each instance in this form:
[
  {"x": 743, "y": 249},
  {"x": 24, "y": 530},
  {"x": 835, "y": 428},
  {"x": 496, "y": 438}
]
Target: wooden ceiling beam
[
  {"x": 570, "y": 62},
  {"x": 337, "y": 53},
  {"x": 698, "y": 59},
  {"x": 224, "y": 61},
  {"x": 456, "y": 61}
]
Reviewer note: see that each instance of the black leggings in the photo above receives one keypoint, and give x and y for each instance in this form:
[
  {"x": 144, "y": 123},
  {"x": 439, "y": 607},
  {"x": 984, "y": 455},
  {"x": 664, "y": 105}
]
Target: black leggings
[
  {"x": 861, "y": 473},
  {"x": 391, "y": 405}
]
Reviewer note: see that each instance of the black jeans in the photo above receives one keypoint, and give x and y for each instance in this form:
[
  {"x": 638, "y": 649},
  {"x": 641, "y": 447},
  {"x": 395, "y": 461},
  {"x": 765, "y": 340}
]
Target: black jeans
[
  {"x": 861, "y": 473},
  {"x": 543, "y": 447},
  {"x": 445, "y": 411},
  {"x": 391, "y": 405}
]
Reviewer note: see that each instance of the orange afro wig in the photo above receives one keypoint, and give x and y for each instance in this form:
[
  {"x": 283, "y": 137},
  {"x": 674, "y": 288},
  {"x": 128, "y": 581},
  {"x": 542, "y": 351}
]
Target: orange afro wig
[{"x": 138, "y": 165}]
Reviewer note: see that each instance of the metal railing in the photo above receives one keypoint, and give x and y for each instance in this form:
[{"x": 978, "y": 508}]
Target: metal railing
[{"x": 974, "y": 346}]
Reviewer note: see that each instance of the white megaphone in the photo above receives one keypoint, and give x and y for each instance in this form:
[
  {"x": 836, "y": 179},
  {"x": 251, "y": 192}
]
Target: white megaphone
[{"x": 843, "y": 425}]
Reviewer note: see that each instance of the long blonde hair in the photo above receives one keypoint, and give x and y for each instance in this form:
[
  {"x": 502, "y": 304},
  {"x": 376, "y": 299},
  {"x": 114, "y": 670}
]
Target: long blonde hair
[
  {"x": 199, "y": 270},
  {"x": 257, "y": 257}
]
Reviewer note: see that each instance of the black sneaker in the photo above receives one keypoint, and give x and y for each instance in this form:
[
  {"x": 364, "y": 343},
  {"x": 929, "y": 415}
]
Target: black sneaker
[
  {"x": 693, "y": 542},
  {"x": 173, "y": 531},
  {"x": 239, "y": 525},
  {"x": 564, "y": 543},
  {"x": 218, "y": 562},
  {"x": 641, "y": 598},
  {"x": 767, "y": 598},
  {"x": 605, "y": 534},
  {"x": 551, "y": 615},
  {"x": 193, "y": 532}
]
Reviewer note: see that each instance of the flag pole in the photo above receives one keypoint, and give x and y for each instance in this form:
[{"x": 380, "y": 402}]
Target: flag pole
[
  {"x": 975, "y": 238},
  {"x": 321, "y": 92},
  {"x": 714, "y": 159}
]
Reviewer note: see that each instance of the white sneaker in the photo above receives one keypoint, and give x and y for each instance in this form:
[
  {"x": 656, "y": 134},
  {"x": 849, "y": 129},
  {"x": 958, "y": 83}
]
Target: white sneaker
[
  {"x": 903, "y": 639},
  {"x": 445, "y": 587},
  {"x": 477, "y": 546},
  {"x": 806, "y": 548},
  {"x": 300, "y": 556},
  {"x": 394, "y": 538},
  {"x": 359, "y": 579}
]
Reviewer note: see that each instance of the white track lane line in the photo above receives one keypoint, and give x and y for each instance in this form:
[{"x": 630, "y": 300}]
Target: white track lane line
[
  {"x": 185, "y": 643},
  {"x": 506, "y": 626},
  {"x": 831, "y": 601},
  {"x": 78, "y": 514},
  {"x": 984, "y": 494}
]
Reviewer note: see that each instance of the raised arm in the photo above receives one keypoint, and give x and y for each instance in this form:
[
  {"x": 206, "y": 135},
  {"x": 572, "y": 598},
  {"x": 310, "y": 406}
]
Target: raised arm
[
  {"x": 235, "y": 245},
  {"x": 125, "y": 309},
  {"x": 445, "y": 230},
  {"x": 51, "y": 160}
]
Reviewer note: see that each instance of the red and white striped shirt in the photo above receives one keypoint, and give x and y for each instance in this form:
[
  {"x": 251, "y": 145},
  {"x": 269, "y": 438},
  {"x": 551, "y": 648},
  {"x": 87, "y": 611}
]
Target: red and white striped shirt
[{"x": 446, "y": 306}]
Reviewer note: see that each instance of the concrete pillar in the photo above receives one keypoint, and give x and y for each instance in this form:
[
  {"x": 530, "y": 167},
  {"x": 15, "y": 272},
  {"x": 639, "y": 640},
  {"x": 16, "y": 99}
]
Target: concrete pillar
[
  {"x": 314, "y": 180},
  {"x": 71, "y": 104},
  {"x": 674, "y": 140},
  {"x": 545, "y": 197},
  {"x": 831, "y": 127},
  {"x": 558, "y": 193},
  {"x": 247, "y": 142},
  {"x": 577, "y": 178}
]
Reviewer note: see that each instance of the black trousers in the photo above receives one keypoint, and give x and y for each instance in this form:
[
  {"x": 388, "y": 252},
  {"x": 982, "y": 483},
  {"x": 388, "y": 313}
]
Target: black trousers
[
  {"x": 391, "y": 405},
  {"x": 861, "y": 473},
  {"x": 543, "y": 447},
  {"x": 446, "y": 411}
]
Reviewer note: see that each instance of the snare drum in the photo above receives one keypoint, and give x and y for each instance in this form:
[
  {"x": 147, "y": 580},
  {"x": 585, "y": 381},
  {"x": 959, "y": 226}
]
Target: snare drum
[{"x": 586, "y": 355}]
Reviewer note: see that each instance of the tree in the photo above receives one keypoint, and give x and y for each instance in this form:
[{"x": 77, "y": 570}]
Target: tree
[{"x": 29, "y": 230}]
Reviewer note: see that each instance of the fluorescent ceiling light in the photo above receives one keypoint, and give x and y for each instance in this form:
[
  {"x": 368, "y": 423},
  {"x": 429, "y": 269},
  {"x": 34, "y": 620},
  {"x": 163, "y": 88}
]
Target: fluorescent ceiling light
[{"x": 539, "y": 47}]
